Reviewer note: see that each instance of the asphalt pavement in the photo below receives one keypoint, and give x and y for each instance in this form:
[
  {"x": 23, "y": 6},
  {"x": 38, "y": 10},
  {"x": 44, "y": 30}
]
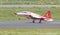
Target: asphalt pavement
[{"x": 28, "y": 24}]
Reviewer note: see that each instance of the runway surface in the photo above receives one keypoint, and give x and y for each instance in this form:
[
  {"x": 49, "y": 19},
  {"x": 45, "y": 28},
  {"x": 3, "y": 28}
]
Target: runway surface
[{"x": 28, "y": 24}]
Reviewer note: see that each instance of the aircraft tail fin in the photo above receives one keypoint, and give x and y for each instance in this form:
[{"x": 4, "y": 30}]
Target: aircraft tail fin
[{"x": 48, "y": 14}]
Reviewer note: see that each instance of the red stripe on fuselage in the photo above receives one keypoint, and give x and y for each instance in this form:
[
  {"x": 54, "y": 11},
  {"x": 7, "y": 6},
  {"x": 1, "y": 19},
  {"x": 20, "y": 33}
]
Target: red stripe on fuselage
[{"x": 28, "y": 16}]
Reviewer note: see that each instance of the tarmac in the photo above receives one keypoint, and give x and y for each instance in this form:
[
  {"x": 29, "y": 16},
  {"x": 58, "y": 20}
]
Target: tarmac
[{"x": 28, "y": 24}]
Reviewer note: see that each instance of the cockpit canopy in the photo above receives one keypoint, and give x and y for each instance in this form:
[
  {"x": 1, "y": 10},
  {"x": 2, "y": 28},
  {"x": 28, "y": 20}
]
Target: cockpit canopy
[{"x": 25, "y": 12}]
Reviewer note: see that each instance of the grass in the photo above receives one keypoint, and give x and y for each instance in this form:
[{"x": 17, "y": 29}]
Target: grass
[
  {"x": 37, "y": 2},
  {"x": 8, "y": 13},
  {"x": 31, "y": 31}
]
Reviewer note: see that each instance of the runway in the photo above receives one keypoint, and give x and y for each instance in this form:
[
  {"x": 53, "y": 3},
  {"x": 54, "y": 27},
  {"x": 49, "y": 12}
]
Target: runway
[{"x": 28, "y": 24}]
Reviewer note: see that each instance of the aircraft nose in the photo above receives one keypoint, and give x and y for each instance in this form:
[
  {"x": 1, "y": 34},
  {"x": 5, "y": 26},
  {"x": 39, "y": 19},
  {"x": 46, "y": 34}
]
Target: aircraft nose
[{"x": 15, "y": 13}]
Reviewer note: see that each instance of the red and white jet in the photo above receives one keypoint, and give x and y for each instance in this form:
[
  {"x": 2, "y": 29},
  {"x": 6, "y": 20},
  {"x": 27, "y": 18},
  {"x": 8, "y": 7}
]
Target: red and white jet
[{"x": 33, "y": 16}]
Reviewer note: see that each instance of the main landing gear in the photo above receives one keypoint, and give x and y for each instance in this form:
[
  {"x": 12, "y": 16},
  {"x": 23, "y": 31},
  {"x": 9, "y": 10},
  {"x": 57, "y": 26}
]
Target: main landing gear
[
  {"x": 40, "y": 20},
  {"x": 33, "y": 20}
]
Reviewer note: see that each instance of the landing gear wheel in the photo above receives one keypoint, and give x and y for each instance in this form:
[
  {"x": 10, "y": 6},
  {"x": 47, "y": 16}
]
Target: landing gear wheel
[
  {"x": 33, "y": 21},
  {"x": 40, "y": 21}
]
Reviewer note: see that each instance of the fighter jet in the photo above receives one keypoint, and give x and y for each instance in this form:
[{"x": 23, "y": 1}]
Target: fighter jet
[{"x": 34, "y": 16}]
